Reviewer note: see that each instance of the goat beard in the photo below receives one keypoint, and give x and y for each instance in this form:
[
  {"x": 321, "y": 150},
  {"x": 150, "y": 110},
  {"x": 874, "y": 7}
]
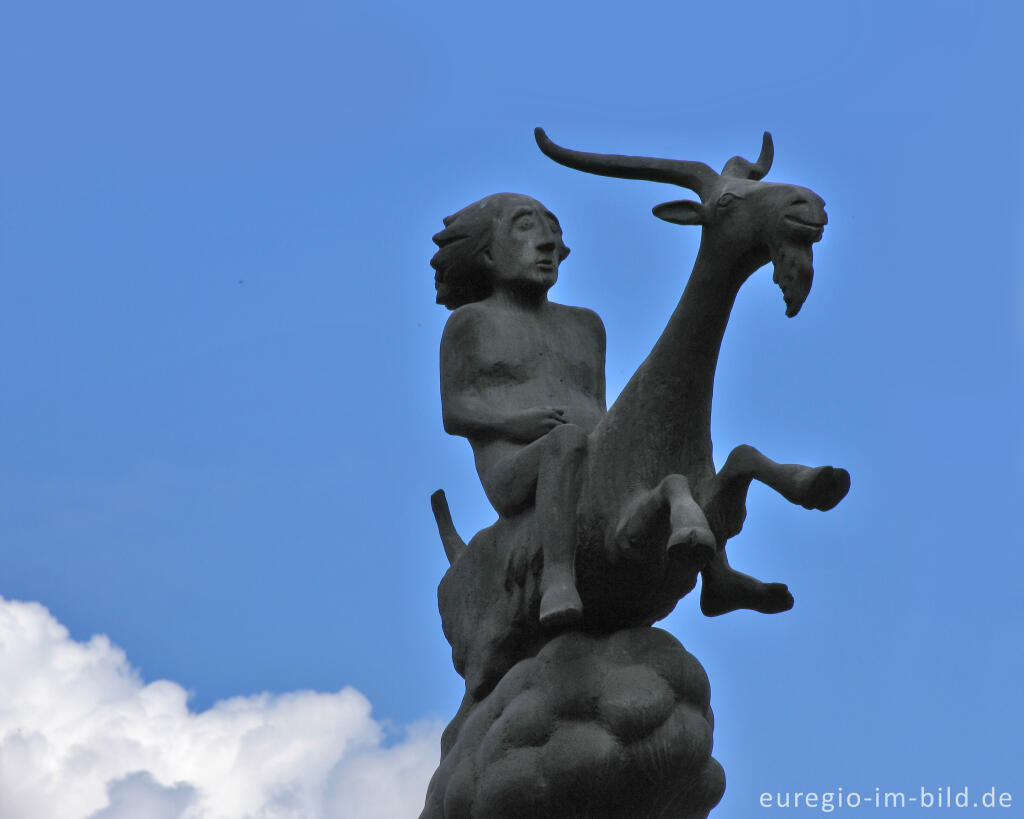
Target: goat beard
[{"x": 793, "y": 272}]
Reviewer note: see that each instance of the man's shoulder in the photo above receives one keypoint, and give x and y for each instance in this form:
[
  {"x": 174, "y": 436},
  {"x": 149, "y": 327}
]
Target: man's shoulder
[
  {"x": 580, "y": 315},
  {"x": 473, "y": 325},
  {"x": 486, "y": 317},
  {"x": 470, "y": 316},
  {"x": 472, "y": 310}
]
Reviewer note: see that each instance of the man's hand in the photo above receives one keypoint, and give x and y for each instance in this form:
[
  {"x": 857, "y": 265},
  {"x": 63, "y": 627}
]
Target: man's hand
[{"x": 532, "y": 424}]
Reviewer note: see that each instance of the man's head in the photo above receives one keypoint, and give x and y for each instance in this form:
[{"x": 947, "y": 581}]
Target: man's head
[{"x": 505, "y": 239}]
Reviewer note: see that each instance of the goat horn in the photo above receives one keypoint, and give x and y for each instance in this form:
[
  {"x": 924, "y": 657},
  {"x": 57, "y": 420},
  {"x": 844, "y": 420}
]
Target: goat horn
[
  {"x": 696, "y": 176},
  {"x": 738, "y": 166}
]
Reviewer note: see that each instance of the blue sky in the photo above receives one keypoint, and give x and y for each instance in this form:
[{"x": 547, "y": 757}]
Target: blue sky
[{"x": 221, "y": 417}]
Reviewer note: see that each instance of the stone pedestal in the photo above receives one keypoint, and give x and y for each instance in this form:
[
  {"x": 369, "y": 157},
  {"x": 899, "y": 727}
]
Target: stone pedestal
[{"x": 615, "y": 726}]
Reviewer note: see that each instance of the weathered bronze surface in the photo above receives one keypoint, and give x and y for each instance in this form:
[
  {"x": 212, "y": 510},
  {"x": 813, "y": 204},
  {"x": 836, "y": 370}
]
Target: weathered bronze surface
[{"x": 575, "y": 705}]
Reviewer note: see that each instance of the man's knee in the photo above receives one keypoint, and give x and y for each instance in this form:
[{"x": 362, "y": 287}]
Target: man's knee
[{"x": 568, "y": 439}]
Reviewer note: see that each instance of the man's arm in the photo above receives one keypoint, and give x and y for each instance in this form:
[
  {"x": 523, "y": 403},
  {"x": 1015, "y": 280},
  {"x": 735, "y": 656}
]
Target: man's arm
[{"x": 596, "y": 327}]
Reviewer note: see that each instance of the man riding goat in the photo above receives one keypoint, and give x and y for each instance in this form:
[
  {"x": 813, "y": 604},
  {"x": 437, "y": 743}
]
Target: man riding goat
[{"x": 522, "y": 378}]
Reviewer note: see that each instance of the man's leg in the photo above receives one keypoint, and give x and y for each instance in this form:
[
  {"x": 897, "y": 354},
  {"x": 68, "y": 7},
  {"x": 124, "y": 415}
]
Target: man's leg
[
  {"x": 558, "y": 486},
  {"x": 547, "y": 474}
]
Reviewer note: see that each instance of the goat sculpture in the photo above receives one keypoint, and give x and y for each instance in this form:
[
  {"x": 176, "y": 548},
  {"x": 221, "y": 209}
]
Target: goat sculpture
[
  {"x": 661, "y": 423},
  {"x": 647, "y": 457},
  {"x": 654, "y": 443}
]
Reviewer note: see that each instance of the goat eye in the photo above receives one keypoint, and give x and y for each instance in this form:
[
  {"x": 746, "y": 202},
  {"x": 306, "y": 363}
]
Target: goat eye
[{"x": 725, "y": 200}]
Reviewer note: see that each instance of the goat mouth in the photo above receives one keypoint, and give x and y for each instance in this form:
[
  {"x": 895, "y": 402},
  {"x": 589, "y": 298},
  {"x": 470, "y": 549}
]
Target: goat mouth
[{"x": 806, "y": 229}]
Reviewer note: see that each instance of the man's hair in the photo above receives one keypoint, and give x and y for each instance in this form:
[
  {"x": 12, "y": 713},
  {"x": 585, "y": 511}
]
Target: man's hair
[{"x": 461, "y": 275}]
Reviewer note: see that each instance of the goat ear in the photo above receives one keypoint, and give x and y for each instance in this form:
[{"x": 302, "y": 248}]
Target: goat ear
[{"x": 680, "y": 212}]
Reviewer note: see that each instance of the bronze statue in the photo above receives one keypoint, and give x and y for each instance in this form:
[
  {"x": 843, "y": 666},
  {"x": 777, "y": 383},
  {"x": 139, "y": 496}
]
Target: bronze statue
[
  {"x": 521, "y": 377},
  {"x": 605, "y": 518}
]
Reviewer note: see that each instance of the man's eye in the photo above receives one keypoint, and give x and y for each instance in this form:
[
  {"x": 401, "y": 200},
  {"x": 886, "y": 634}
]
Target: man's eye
[{"x": 525, "y": 224}]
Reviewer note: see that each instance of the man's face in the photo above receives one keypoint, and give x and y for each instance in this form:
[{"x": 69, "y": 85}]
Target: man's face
[{"x": 527, "y": 245}]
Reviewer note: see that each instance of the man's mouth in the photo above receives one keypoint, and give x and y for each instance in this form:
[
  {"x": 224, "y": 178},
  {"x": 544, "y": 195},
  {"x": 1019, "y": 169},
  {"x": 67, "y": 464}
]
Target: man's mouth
[{"x": 546, "y": 265}]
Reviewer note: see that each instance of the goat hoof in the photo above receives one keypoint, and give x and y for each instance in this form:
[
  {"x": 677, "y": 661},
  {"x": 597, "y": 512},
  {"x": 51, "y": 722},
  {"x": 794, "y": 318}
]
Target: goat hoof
[
  {"x": 694, "y": 544},
  {"x": 827, "y": 486},
  {"x": 744, "y": 592}
]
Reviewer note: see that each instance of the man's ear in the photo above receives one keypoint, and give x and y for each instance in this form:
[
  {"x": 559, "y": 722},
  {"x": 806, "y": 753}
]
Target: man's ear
[{"x": 680, "y": 212}]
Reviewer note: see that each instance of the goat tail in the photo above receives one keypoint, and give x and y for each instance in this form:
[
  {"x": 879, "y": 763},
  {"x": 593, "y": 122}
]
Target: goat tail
[{"x": 453, "y": 544}]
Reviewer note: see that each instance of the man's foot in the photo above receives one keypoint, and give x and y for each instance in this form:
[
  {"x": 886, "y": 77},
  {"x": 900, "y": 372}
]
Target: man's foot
[
  {"x": 734, "y": 590},
  {"x": 821, "y": 487},
  {"x": 560, "y": 606}
]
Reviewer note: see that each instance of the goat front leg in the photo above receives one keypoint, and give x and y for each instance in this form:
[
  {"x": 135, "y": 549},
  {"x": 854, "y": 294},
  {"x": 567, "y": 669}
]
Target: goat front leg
[
  {"x": 723, "y": 588},
  {"x": 689, "y": 536},
  {"x": 812, "y": 487}
]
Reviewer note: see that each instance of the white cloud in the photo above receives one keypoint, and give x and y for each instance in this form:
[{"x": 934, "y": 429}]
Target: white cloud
[
  {"x": 82, "y": 737},
  {"x": 139, "y": 795}
]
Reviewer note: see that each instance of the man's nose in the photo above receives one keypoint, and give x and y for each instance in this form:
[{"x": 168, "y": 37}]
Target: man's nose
[{"x": 546, "y": 239}]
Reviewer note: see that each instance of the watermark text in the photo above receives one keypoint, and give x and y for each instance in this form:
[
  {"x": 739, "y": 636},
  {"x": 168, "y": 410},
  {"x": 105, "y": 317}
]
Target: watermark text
[{"x": 944, "y": 796}]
